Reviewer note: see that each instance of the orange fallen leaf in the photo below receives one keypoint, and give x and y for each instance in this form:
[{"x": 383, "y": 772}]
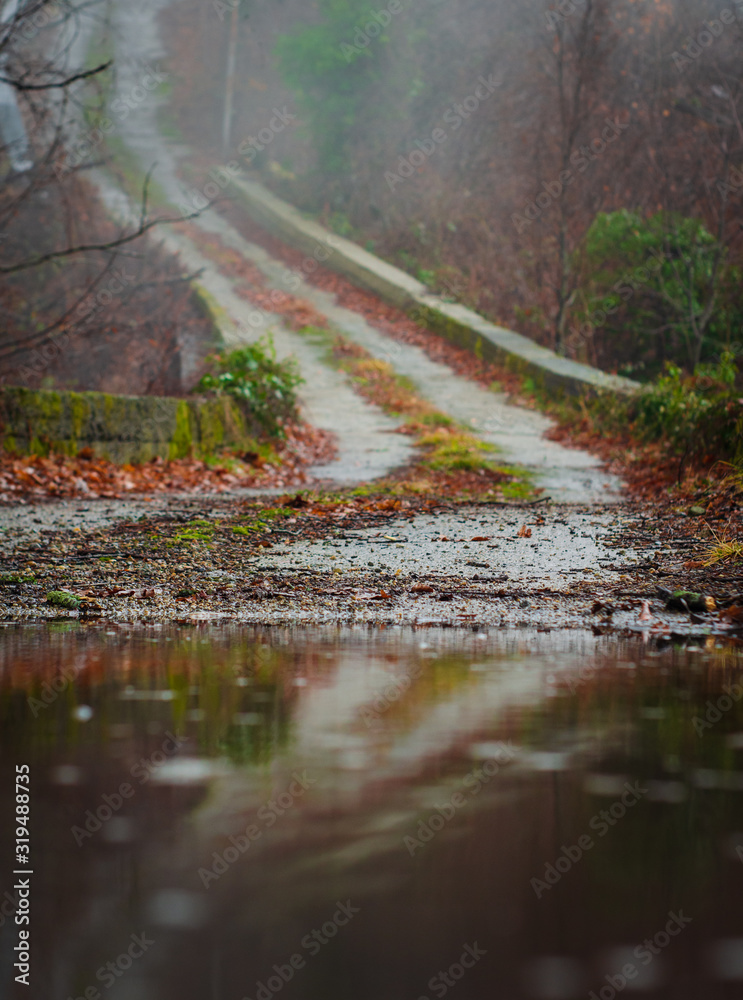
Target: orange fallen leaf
[
  {"x": 481, "y": 538},
  {"x": 524, "y": 532}
]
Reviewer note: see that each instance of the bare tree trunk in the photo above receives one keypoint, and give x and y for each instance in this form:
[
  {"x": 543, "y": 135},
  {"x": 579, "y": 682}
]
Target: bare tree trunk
[{"x": 229, "y": 93}]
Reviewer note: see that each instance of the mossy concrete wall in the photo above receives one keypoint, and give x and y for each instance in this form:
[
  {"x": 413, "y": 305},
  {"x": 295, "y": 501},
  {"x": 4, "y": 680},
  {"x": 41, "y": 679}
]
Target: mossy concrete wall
[
  {"x": 549, "y": 371},
  {"x": 121, "y": 428}
]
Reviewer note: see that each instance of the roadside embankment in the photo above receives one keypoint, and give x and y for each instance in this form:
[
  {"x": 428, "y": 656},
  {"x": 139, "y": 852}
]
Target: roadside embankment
[{"x": 550, "y": 372}]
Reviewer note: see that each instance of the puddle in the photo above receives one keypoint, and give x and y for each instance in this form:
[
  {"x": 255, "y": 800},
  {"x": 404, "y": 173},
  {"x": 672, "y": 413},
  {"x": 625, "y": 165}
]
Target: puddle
[{"x": 234, "y": 813}]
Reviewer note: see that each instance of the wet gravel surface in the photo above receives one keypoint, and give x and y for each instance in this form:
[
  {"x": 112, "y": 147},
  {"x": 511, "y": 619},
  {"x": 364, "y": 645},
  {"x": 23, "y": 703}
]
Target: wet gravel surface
[{"x": 357, "y": 560}]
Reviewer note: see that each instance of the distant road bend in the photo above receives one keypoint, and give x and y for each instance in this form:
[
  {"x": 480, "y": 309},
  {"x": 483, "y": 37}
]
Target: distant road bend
[{"x": 367, "y": 445}]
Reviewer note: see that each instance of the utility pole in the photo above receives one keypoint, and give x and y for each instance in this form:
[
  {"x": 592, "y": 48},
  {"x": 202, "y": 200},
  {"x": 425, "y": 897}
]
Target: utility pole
[{"x": 229, "y": 93}]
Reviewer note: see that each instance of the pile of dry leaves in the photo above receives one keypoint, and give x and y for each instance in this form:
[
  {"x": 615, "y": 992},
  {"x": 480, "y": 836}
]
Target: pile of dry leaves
[{"x": 23, "y": 479}]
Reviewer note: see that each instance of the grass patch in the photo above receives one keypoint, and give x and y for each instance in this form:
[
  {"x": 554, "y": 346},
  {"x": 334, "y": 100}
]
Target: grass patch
[
  {"x": 263, "y": 521},
  {"x": 452, "y": 450},
  {"x": 453, "y": 461},
  {"x": 727, "y": 548},
  {"x": 198, "y": 530},
  {"x": 724, "y": 552}
]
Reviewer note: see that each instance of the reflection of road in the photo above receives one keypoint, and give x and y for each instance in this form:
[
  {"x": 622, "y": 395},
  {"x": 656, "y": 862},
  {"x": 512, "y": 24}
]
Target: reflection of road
[
  {"x": 403, "y": 817},
  {"x": 435, "y": 709},
  {"x": 366, "y": 448}
]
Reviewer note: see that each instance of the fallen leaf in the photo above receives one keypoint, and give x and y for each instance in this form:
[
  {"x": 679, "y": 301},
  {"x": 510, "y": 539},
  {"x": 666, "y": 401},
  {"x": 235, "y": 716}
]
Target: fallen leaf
[
  {"x": 481, "y": 538},
  {"x": 421, "y": 588},
  {"x": 524, "y": 532},
  {"x": 600, "y": 606},
  {"x": 297, "y": 502}
]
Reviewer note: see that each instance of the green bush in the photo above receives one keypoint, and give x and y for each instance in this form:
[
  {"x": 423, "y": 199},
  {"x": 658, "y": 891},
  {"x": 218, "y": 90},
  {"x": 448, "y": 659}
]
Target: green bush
[
  {"x": 699, "y": 416},
  {"x": 254, "y": 377},
  {"x": 658, "y": 289}
]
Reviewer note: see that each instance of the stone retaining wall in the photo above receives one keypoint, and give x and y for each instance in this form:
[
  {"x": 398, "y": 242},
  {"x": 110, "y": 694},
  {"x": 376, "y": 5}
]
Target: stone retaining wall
[{"x": 121, "y": 428}]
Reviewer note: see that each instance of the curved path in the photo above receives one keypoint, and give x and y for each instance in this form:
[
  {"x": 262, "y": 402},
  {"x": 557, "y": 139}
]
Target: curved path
[{"x": 368, "y": 446}]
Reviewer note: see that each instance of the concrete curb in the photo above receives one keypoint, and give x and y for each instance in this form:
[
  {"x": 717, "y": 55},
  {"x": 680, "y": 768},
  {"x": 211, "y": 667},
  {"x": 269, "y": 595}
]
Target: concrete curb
[{"x": 554, "y": 374}]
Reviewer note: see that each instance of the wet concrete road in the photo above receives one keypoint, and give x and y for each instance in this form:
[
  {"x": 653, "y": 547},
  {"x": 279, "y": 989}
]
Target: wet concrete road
[{"x": 368, "y": 446}]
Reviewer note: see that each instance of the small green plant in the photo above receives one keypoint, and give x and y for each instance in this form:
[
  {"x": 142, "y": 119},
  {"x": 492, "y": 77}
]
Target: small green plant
[
  {"x": 436, "y": 419},
  {"x": 63, "y": 599},
  {"x": 266, "y": 386},
  {"x": 12, "y": 579}
]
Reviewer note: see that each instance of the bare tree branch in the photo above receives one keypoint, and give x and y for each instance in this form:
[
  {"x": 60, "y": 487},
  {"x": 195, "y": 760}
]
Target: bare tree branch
[{"x": 59, "y": 85}]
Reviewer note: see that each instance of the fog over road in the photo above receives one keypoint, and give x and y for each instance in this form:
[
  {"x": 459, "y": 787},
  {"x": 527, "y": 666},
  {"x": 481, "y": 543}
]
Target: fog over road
[{"x": 368, "y": 448}]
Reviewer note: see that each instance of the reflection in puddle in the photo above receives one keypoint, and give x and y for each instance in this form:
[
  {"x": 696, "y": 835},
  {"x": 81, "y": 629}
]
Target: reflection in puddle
[{"x": 229, "y": 813}]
